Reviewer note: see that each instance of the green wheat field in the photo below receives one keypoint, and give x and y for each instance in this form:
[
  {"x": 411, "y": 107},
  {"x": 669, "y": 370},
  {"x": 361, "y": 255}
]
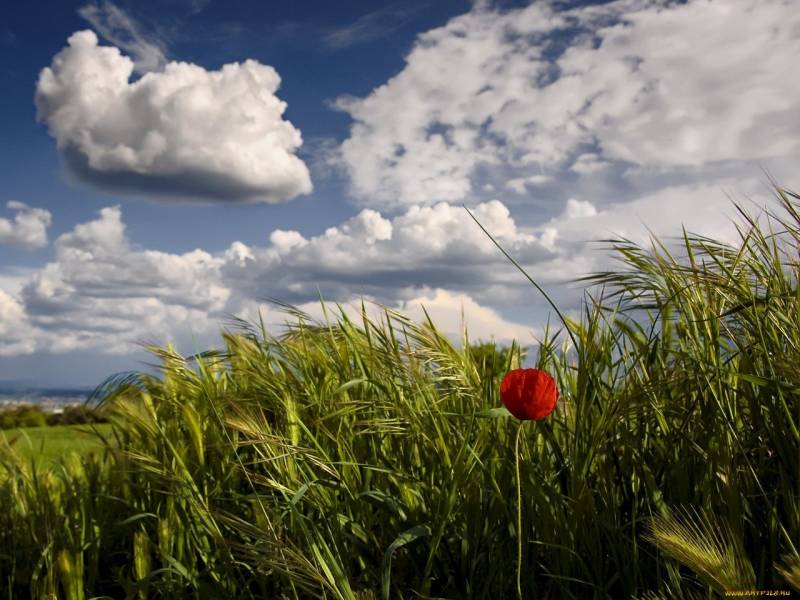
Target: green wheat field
[
  {"x": 45, "y": 445},
  {"x": 372, "y": 459}
]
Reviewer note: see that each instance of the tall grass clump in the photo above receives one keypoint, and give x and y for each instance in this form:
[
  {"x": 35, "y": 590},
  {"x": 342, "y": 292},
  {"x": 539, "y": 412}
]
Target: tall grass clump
[{"x": 360, "y": 458}]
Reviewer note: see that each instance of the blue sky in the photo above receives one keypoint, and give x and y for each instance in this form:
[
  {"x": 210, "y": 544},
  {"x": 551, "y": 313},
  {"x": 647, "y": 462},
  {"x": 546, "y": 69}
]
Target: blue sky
[{"x": 168, "y": 164}]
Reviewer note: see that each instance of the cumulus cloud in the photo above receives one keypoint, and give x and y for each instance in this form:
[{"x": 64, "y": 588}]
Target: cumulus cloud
[
  {"x": 183, "y": 132},
  {"x": 483, "y": 323},
  {"x": 646, "y": 84},
  {"x": 576, "y": 209},
  {"x": 28, "y": 229},
  {"x": 388, "y": 259},
  {"x": 102, "y": 292},
  {"x": 705, "y": 209}
]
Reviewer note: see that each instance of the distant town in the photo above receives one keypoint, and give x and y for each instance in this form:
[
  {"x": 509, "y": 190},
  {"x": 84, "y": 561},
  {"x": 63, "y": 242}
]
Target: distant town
[{"x": 49, "y": 400}]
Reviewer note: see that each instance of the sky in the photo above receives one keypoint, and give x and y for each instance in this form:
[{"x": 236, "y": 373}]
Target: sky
[{"x": 169, "y": 165}]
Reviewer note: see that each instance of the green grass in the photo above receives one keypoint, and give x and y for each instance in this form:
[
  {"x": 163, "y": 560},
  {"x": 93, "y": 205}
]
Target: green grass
[
  {"x": 48, "y": 444},
  {"x": 364, "y": 459}
]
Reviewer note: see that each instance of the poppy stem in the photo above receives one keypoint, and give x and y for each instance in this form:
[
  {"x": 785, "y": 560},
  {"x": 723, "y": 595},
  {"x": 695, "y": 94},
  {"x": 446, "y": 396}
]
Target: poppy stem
[
  {"x": 538, "y": 287},
  {"x": 519, "y": 513}
]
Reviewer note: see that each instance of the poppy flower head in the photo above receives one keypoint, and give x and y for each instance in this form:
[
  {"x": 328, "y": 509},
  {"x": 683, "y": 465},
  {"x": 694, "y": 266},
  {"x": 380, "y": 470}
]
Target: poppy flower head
[{"x": 528, "y": 394}]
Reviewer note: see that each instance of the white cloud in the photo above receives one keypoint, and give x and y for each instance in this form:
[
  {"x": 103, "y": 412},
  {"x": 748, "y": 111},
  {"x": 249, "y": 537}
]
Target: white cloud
[
  {"x": 99, "y": 292},
  {"x": 705, "y": 209},
  {"x": 653, "y": 84},
  {"x": 576, "y": 209},
  {"x": 15, "y": 334},
  {"x": 28, "y": 229},
  {"x": 483, "y": 323},
  {"x": 426, "y": 247},
  {"x": 102, "y": 292},
  {"x": 183, "y": 132},
  {"x": 119, "y": 28}
]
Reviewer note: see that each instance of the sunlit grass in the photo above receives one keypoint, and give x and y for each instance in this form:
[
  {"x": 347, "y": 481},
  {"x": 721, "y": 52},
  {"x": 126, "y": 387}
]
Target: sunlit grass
[{"x": 47, "y": 444}]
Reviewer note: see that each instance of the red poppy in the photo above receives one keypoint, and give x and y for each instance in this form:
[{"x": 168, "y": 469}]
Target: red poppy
[{"x": 529, "y": 394}]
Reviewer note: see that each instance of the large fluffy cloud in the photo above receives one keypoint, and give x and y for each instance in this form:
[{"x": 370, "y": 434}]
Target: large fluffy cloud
[
  {"x": 518, "y": 95},
  {"x": 28, "y": 229},
  {"x": 182, "y": 132},
  {"x": 102, "y": 292},
  {"x": 426, "y": 247}
]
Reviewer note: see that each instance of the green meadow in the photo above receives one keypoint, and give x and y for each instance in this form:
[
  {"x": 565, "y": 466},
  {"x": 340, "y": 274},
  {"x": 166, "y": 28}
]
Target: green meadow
[
  {"x": 44, "y": 445},
  {"x": 372, "y": 459}
]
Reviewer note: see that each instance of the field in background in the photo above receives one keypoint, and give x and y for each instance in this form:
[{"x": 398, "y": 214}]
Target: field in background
[{"x": 49, "y": 443}]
